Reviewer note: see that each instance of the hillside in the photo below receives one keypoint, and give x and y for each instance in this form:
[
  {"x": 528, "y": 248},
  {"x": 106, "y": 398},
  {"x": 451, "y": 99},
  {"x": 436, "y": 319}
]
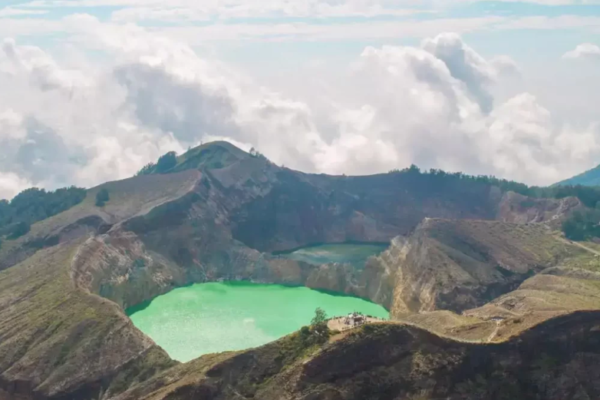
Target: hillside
[
  {"x": 588, "y": 178},
  {"x": 391, "y": 361},
  {"x": 462, "y": 252}
]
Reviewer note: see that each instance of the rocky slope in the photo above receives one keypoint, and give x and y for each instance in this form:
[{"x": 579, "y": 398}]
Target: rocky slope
[
  {"x": 554, "y": 360},
  {"x": 219, "y": 215},
  {"x": 521, "y": 209},
  {"x": 457, "y": 265}
]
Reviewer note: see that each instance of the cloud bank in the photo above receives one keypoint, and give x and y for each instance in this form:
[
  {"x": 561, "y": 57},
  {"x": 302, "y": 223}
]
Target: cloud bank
[
  {"x": 584, "y": 50},
  {"x": 85, "y": 122}
]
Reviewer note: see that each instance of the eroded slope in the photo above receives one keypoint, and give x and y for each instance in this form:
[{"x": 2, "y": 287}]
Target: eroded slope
[
  {"x": 57, "y": 342},
  {"x": 554, "y": 361},
  {"x": 457, "y": 265}
]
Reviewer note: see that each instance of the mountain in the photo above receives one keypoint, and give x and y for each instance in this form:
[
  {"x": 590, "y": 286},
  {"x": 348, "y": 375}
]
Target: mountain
[
  {"x": 468, "y": 264},
  {"x": 587, "y": 178}
]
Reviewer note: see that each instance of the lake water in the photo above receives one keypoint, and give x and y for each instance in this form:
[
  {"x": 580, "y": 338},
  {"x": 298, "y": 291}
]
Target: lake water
[
  {"x": 214, "y": 317},
  {"x": 355, "y": 254}
]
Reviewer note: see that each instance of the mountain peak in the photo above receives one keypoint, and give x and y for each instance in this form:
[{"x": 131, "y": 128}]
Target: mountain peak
[{"x": 590, "y": 177}]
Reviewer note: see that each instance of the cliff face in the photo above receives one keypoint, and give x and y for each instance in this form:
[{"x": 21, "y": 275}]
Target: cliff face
[
  {"x": 58, "y": 342},
  {"x": 457, "y": 265},
  {"x": 229, "y": 216},
  {"x": 301, "y": 209},
  {"x": 65, "y": 285},
  {"x": 521, "y": 209}
]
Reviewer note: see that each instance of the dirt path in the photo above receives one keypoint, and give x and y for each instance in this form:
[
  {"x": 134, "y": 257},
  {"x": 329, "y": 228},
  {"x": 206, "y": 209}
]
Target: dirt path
[
  {"x": 567, "y": 241},
  {"x": 494, "y": 333}
]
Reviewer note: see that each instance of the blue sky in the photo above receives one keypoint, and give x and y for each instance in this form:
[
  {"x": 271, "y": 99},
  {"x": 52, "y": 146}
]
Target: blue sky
[
  {"x": 575, "y": 22},
  {"x": 94, "y": 89}
]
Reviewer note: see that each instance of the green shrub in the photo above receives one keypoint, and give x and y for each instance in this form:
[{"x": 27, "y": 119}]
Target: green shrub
[
  {"x": 582, "y": 225},
  {"x": 305, "y": 331},
  {"x": 32, "y": 205},
  {"x": 368, "y": 328},
  {"x": 166, "y": 162},
  {"x": 146, "y": 169},
  {"x": 18, "y": 230},
  {"x": 320, "y": 331},
  {"x": 102, "y": 197}
]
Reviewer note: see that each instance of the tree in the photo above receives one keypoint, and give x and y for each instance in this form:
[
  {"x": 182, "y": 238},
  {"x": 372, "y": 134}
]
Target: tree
[
  {"x": 102, "y": 197},
  {"x": 319, "y": 326},
  {"x": 33, "y": 204},
  {"x": 146, "y": 169},
  {"x": 319, "y": 318},
  {"x": 166, "y": 162},
  {"x": 19, "y": 230}
]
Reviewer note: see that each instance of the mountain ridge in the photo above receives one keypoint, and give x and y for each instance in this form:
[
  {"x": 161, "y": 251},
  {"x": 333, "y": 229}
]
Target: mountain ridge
[
  {"x": 66, "y": 283},
  {"x": 590, "y": 177}
]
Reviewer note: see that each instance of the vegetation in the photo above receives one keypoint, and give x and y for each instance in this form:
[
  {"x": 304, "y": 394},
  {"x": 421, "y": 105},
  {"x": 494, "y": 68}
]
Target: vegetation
[
  {"x": 165, "y": 163},
  {"x": 589, "y": 196},
  {"x": 32, "y": 205},
  {"x": 102, "y": 197},
  {"x": 317, "y": 333},
  {"x": 582, "y": 225},
  {"x": 255, "y": 153},
  {"x": 320, "y": 317},
  {"x": 587, "y": 178},
  {"x": 19, "y": 229},
  {"x": 320, "y": 331},
  {"x": 146, "y": 169}
]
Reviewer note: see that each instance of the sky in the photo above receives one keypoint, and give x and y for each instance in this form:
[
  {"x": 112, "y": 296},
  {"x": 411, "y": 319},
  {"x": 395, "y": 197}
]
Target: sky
[{"x": 92, "y": 90}]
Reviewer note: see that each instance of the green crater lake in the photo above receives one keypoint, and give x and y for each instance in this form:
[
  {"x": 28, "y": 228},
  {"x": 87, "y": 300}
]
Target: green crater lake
[
  {"x": 214, "y": 317},
  {"x": 355, "y": 254}
]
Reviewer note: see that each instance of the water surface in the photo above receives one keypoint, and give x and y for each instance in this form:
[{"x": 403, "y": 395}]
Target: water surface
[
  {"x": 355, "y": 254},
  {"x": 214, "y": 317}
]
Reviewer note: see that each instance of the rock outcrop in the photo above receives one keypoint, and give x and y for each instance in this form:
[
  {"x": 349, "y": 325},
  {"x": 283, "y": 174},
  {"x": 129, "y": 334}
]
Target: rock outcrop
[
  {"x": 521, "y": 209},
  {"x": 457, "y": 265}
]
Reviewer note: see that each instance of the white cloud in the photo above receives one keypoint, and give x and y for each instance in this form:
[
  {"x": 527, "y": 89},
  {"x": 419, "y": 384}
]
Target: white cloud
[
  {"x": 302, "y": 31},
  {"x": 465, "y": 64},
  {"x": 186, "y": 10},
  {"x": 419, "y": 108},
  {"x": 271, "y": 10},
  {"x": 178, "y": 23},
  {"x": 561, "y": 22},
  {"x": 12, "y": 12},
  {"x": 584, "y": 50},
  {"x": 505, "y": 66},
  {"x": 11, "y": 184},
  {"x": 40, "y": 68},
  {"x": 430, "y": 105}
]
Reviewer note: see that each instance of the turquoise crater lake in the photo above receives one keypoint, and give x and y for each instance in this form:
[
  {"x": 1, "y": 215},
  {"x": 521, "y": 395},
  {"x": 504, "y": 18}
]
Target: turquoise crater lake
[
  {"x": 213, "y": 317},
  {"x": 354, "y": 254}
]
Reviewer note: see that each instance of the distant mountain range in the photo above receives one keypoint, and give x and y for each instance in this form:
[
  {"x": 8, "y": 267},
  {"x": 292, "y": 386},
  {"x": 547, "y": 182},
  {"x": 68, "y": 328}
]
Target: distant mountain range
[{"x": 587, "y": 178}]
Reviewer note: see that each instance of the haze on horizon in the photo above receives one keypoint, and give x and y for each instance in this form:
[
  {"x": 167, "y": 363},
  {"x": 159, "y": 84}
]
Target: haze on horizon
[{"x": 92, "y": 90}]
